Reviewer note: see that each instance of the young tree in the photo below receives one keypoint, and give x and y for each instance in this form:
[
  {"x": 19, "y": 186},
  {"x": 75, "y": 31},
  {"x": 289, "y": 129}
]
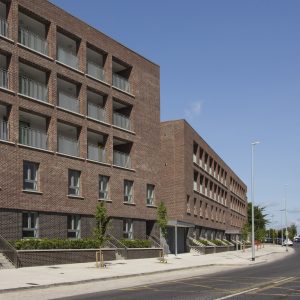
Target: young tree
[
  {"x": 102, "y": 221},
  {"x": 292, "y": 230},
  {"x": 260, "y": 219},
  {"x": 162, "y": 218}
]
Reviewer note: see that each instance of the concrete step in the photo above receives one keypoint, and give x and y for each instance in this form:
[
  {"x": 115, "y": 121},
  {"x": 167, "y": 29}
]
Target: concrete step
[{"x": 5, "y": 263}]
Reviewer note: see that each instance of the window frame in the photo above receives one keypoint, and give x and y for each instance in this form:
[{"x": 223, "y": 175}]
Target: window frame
[
  {"x": 28, "y": 228},
  {"x": 71, "y": 187},
  {"x": 128, "y": 229},
  {"x": 150, "y": 200},
  {"x": 101, "y": 184},
  {"x": 75, "y": 219},
  {"x": 129, "y": 196},
  {"x": 28, "y": 178}
]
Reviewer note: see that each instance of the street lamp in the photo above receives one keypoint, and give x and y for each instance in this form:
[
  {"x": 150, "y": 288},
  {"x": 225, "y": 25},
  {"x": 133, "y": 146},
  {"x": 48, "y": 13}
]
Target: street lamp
[
  {"x": 286, "y": 230},
  {"x": 252, "y": 200}
]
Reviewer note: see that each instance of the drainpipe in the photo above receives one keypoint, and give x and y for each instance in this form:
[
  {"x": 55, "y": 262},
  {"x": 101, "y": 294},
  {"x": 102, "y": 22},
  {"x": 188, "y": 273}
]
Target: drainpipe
[{"x": 175, "y": 240}]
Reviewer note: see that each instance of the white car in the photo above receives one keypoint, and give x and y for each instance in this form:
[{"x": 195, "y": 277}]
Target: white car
[{"x": 287, "y": 242}]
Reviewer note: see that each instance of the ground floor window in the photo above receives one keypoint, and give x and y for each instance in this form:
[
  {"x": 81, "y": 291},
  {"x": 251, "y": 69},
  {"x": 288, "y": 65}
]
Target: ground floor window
[
  {"x": 127, "y": 229},
  {"x": 29, "y": 225},
  {"x": 74, "y": 227}
]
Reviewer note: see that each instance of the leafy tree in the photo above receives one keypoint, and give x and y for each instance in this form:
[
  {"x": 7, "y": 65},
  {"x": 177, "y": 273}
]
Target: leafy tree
[
  {"x": 245, "y": 232},
  {"x": 162, "y": 218},
  {"x": 102, "y": 221},
  {"x": 260, "y": 220},
  {"x": 292, "y": 230}
]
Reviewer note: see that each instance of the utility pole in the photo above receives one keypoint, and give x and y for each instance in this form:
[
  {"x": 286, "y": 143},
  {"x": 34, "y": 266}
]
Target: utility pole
[{"x": 286, "y": 230}]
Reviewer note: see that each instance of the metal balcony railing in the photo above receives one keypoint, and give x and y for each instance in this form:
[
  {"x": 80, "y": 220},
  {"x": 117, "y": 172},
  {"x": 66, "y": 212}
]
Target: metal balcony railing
[
  {"x": 3, "y": 131},
  {"x": 121, "y": 83},
  {"x": 95, "y": 70},
  {"x": 33, "y": 137},
  {"x": 33, "y": 41},
  {"x": 33, "y": 89},
  {"x": 96, "y": 153},
  {"x": 67, "y": 145},
  {"x": 68, "y": 102},
  {"x": 67, "y": 57},
  {"x": 3, "y": 78},
  {"x": 122, "y": 159},
  {"x": 96, "y": 112},
  {"x": 3, "y": 27},
  {"x": 121, "y": 121}
]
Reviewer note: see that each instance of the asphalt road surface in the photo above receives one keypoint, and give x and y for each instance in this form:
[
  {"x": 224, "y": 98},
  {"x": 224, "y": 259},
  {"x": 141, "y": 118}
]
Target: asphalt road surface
[{"x": 277, "y": 280}]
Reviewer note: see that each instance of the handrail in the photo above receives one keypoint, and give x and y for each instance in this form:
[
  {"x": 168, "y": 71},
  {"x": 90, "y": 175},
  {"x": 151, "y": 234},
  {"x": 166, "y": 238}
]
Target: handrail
[
  {"x": 110, "y": 236},
  {"x": 10, "y": 252},
  {"x": 154, "y": 241}
]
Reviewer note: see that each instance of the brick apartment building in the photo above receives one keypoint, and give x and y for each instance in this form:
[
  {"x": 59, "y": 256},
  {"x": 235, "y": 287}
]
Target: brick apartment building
[
  {"x": 203, "y": 195},
  {"x": 79, "y": 124}
]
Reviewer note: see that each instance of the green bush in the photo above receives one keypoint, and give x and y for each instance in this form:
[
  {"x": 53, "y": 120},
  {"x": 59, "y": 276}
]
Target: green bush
[
  {"x": 217, "y": 242},
  {"x": 204, "y": 242},
  {"x": 226, "y": 242},
  {"x": 136, "y": 243},
  {"x": 30, "y": 244}
]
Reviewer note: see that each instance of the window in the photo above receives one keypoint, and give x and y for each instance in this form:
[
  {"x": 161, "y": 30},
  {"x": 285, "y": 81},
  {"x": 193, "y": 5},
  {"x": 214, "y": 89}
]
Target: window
[
  {"x": 74, "y": 183},
  {"x": 29, "y": 225},
  {"x": 188, "y": 208},
  {"x": 74, "y": 227},
  {"x": 103, "y": 187},
  {"x": 127, "y": 229},
  {"x": 150, "y": 194},
  {"x": 128, "y": 189},
  {"x": 30, "y": 176},
  {"x": 195, "y": 207}
]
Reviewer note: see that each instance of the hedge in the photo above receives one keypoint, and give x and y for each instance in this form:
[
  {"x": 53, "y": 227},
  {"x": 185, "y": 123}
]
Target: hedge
[
  {"x": 136, "y": 243},
  {"x": 217, "y": 242},
  {"x": 204, "y": 242}
]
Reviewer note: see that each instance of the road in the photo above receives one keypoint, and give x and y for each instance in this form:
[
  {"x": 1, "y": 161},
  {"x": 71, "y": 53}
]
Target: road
[{"x": 277, "y": 280}]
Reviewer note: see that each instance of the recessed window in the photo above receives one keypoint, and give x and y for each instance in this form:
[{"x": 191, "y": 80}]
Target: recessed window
[
  {"x": 74, "y": 183},
  {"x": 29, "y": 225},
  {"x": 127, "y": 229},
  {"x": 128, "y": 191},
  {"x": 30, "y": 176},
  {"x": 74, "y": 227},
  {"x": 103, "y": 187},
  {"x": 150, "y": 194}
]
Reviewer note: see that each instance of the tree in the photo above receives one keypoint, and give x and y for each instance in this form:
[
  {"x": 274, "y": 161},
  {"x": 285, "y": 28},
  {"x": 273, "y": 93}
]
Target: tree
[
  {"x": 260, "y": 220},
  {"x": 245, "y": 232},
  {"x": 102, "y": 221},
  {"x": 292, "y": 230},
  {"x": 162, "y": 218}
]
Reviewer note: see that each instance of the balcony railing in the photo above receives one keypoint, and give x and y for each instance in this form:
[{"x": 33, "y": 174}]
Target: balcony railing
[
  {"x": 122, "y": 159},
  {"x": 121, "y": 121},
  {"x": 3, "y": 78},
  {"x": 4, "y": 131},
  {"x": 121, "y": 83},
  {"x": 95, "y": 70},
  {"x": 33, "y": 137},
  {"x": 67, "y": 57},
  {"x": 33, "y": 89},
  {"x": 96, "y": 153},
  {"x": 68, "y": 145},
  {"x": 96, "y": 112},
  {"x": 33, "y": 41},
  {"x": 68, "y": 102},
  {"x": 3, "y": 27}
]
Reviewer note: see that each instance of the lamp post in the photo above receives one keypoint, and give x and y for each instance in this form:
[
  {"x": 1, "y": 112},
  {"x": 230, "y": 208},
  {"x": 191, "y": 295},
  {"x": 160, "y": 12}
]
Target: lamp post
[
  {"x": 252, "y": 200},
  {"x": 286, "y": 230}
]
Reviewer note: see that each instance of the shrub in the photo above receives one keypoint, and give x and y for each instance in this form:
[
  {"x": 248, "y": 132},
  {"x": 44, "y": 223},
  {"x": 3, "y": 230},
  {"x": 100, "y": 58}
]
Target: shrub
[
  {"x": 204, "y": 242},
  {"x": 217, "y": 242},
  {"x": 136, "y": 243}
]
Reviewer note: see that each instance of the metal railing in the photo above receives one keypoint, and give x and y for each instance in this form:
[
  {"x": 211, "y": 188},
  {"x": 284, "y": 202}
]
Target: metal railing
[
  {"x": 96, "y": 112},
  {"x": 96, "y": 153},
  {"x": 67, "y": 57},
  {"x": 33, "y": 89},
  {"x": 95, "y": 70},
  {"x": 155, "y": 242},
  {"x": 3, "y": 27},
  {"x": 3, "y": 78},
  {"x": 121, "y": 121},
  {"x": 121, "y": 249},
  {"x": 120, "y": 83},
  {"x": 67, "y": 145},
  {"x": 33, "y": 41},
  {"x": 68, "y": 102},
  {"x": 3, "y": 131},
  {"x": 9, "y": 251},
  {"x": 33, "y": 137},
  {"x": 122, "y": 159}
]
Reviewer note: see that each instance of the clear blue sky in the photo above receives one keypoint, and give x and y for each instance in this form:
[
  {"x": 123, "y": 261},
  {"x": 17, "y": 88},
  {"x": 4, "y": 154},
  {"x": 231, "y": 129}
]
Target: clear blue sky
[{"x": 232, "y": 69}]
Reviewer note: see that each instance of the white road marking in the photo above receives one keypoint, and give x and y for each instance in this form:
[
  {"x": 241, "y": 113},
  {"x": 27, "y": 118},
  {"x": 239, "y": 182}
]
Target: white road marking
[{"x": 237, "y": 294}]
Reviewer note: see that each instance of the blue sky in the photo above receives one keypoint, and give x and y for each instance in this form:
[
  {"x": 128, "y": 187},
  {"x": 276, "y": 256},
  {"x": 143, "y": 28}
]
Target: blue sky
[{"x": 232, "y": 69}]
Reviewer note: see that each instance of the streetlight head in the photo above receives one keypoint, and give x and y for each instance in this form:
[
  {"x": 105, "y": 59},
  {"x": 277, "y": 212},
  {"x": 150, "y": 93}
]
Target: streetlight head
[{"x": 255, "y": 143}]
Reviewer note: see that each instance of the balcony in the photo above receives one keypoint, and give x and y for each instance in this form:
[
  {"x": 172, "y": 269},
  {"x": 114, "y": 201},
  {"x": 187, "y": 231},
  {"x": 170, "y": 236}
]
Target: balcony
[
  {"x": 121, "y": 83},
  {"x": 95, "y": 70},
  {"x": 67, "y": 57},
  {"x": 33, "y": 137},
  {"x": 3, "y": 131},
  {"x": 3, "y": 27},
  {"x": 121, "y": 120},
  {"x": 96, "y": 112},
  {"x": 67, "y": 145},
  {"x": 195, "y": 186},
  {"x": 96, "y": 153},
  {"x": 33, "y": 88},
  {"x": 33, "y": 41},
  {"x": 122, "y": 159},
  {"x": 3, "y": 78},
  {"x": 68, "y": 102}
]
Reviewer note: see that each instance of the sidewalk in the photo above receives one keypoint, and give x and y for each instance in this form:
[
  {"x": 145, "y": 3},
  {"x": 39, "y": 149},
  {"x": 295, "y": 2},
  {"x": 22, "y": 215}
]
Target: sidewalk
[{"x": 46, "y": 276}]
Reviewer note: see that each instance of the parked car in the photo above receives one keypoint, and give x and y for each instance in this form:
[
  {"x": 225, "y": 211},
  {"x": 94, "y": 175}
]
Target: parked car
[
  {"x": 288, "y": 242},
  {"x": 297, "y": 239}
]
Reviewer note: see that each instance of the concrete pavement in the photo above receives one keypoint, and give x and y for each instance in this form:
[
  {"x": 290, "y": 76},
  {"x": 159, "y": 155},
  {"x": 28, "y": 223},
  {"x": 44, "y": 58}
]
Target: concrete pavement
[{"x": 73, "y": 274}]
